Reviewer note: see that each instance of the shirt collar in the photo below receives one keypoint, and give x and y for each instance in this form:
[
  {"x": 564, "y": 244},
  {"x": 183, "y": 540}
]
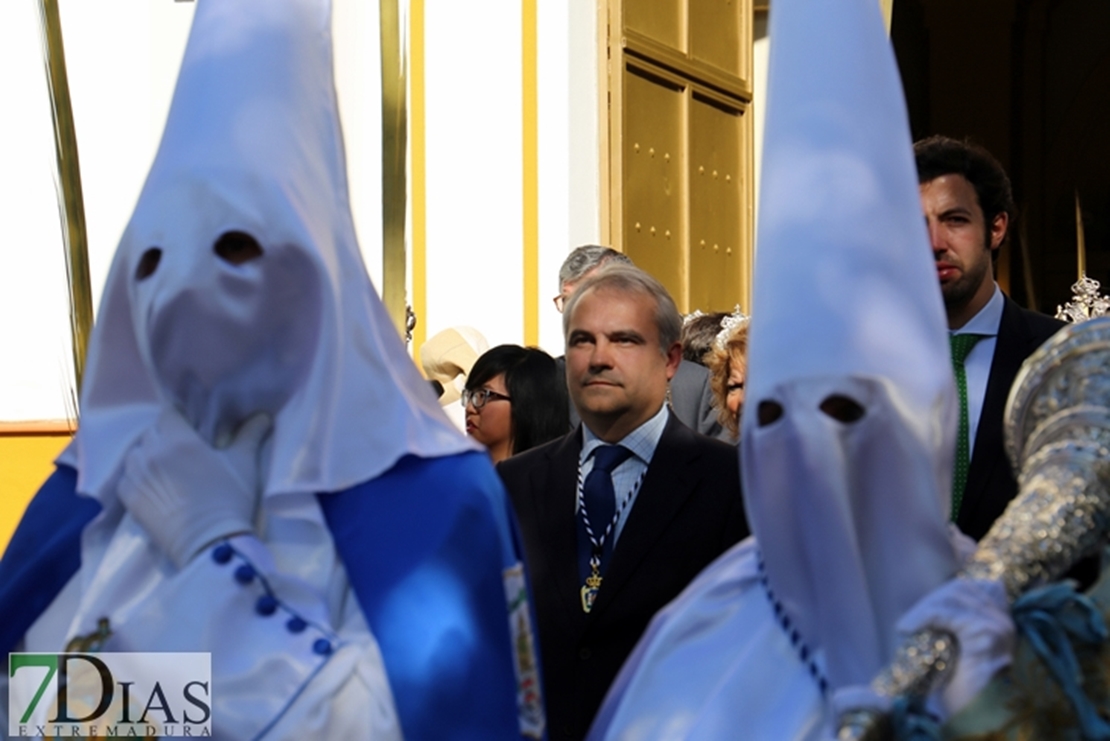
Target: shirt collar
[
  {"x": 641, "y": 441},
  {"x": 988, "y": 319}
]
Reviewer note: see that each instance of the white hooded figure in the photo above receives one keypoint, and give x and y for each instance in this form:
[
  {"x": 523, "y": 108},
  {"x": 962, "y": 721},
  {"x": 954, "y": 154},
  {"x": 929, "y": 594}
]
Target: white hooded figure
[
  {"x": 849, "y": 424},
  {"x": 260, "y": 471}
]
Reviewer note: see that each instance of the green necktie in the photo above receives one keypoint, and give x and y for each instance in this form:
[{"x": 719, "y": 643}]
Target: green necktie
[{"x": 961, "y": 348}]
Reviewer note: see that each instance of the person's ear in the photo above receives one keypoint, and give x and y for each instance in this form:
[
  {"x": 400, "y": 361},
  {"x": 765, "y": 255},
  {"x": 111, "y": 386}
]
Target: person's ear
[
  {"x": 674, "y": 357},
  {"x": 998, "y": 229}
]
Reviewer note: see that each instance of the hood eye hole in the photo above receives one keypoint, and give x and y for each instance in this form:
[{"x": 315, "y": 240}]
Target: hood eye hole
[
  {"x": 148, "y": 263},
  {"x": 768, "y": 412},
  {"x": 842, "y": 409},
  {"x": 237, "y": 248}
]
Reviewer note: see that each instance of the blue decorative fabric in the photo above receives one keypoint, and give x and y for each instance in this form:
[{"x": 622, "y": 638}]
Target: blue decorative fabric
[
  {"x": 43, "y": 554},
  {"x": 912, "y": 722},
  {"x": 1050, "y": 618},
  {"x": 425, "y": 547}
]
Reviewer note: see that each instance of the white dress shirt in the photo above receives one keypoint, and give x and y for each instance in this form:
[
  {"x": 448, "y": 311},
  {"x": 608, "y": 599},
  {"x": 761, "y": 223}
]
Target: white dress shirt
[{"x": 977, "y": 367}]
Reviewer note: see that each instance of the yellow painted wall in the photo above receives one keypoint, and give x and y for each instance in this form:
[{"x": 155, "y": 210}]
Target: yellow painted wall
[{"x": 25, "y": 462}]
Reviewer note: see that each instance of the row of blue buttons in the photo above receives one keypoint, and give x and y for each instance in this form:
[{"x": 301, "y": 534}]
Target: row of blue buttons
[{"x": 267, "y": 604}]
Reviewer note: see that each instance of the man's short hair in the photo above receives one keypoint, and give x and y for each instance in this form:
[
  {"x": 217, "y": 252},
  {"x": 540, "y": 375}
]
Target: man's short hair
[
  {"x": 627, "y": 278},
  {"x": 942, "y": 155},
  {"x": 584, "y": 259}
]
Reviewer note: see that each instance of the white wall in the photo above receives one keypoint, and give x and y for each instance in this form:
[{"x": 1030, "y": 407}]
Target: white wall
[
  {"x": 554, "y": 62},
  {"x": 122, "y": 59},
  {"x": 356, "y": 39},
  {"x": 36, "y": 373},
  {"x": 584, "y": 157},
  {"x": 475, "y": 164},
  {"x": 474, "y": 175}
]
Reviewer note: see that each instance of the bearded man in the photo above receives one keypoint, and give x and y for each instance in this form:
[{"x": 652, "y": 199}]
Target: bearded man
[{"x": 969, "y": 208}]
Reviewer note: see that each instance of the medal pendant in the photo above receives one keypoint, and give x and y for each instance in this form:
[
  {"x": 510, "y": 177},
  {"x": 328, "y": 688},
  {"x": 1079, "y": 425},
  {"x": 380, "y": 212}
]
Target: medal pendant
[{"x": 589, "y": 591}]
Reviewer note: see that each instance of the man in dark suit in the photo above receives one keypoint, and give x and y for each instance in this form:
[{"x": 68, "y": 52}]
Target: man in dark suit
[
  {"x": 690, "y": 395},
  {"x": 607, "y": 550},
  {"x": 968, "y": 207}
]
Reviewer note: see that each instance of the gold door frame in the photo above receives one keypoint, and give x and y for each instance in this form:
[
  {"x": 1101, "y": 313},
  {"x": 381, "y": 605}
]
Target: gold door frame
[
  {"x": 620, "y": 47},
  {"x": 71, "y": 205},
  {"x": 394, "y": 164}
]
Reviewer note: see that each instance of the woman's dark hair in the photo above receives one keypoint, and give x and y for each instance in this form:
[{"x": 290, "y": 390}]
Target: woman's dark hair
[{"x": 540, "y": 411}]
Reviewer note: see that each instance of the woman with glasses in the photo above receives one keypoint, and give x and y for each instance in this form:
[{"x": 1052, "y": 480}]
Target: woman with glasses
[{"x": 515, "y": 399}]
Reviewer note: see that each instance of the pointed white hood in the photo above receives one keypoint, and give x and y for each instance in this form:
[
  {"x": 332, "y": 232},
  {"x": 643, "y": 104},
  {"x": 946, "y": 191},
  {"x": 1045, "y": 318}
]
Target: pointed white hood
[
  {"x": 850, "y": 516},
  {"x": 252, "y": 146}
]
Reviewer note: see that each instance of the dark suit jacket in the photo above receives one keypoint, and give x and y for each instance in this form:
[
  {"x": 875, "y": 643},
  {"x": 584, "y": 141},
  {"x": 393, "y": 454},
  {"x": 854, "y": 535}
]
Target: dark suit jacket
[
  {"x": 691, "y": 399},
  {"x": 990, "y": 481},
  {"x": 688, "y": 512}
]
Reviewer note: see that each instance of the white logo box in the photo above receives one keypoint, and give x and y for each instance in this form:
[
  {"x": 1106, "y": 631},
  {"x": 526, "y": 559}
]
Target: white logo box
[{"x": 109, "y": 694}]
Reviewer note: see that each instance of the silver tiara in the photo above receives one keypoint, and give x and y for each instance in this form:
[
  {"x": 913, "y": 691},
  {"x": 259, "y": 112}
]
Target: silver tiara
[
  {"x": 729, "y": 325},
  {"x": 696, "y": 313}
]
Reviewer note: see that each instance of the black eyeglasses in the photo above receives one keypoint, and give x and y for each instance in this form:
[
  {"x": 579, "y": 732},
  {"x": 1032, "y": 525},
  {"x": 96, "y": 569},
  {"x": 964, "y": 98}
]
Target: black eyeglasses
[{"x": 479, "y": 397}]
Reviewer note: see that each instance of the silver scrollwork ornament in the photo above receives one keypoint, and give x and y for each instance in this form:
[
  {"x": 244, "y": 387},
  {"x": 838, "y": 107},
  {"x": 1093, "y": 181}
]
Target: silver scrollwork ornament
[{"x": 1086, "y": 302}]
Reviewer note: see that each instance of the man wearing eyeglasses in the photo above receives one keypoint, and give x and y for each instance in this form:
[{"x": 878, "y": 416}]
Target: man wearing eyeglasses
[
  {"x": 620, "y": 515},
  {"x": 691, "y": 398}
]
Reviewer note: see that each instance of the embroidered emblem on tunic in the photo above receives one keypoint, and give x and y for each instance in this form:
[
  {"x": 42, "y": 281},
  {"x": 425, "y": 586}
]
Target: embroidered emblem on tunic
[{"x": 525, "y": 665}]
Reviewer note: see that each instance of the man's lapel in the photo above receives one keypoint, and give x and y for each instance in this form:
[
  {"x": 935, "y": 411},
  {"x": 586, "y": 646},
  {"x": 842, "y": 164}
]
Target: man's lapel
[
  {"x": 664, "y": 491},
  {"x": 554, "y": 489}
]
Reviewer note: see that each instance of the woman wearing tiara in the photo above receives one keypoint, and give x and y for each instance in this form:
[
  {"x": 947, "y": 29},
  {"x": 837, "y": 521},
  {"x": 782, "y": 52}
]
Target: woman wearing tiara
[{"x": 728, "y": 368}]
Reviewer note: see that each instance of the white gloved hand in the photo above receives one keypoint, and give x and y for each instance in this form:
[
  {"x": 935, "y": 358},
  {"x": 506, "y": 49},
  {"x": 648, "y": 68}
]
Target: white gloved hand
[
  {"x": 187, "y": 494},
  {"x": 977, "y": 612}
]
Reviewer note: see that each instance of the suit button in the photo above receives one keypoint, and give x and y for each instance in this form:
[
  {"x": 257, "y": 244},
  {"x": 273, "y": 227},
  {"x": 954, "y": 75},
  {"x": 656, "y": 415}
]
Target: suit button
[
  {"x": 567, "y": 732},
  {"x": 583, "y": 653}
]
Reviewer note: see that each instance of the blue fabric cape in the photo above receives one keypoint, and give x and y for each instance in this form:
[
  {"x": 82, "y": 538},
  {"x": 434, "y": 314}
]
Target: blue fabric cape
[{"x": 425, "y": 546}]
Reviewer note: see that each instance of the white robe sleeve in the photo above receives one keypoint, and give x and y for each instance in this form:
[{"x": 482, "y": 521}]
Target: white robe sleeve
[{"x": 278, "y": 669}]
